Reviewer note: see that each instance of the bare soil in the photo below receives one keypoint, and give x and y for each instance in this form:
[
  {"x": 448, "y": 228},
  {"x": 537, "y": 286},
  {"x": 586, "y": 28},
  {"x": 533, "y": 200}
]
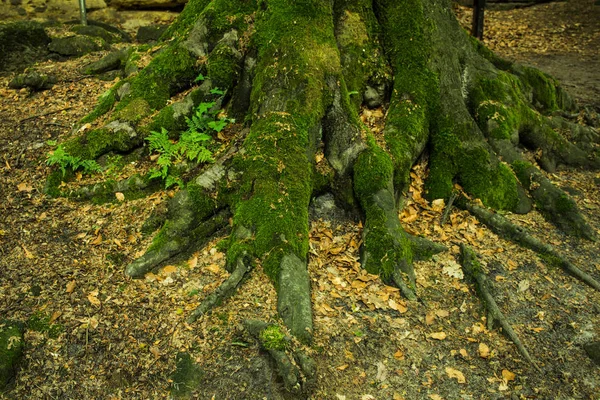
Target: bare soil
[{"x": 116, "y": 338}]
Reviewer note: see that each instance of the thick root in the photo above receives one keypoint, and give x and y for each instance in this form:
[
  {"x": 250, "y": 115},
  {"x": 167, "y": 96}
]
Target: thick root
[
  {"x": 472, "y": 268},
  {"x": 503, "y": 227}
]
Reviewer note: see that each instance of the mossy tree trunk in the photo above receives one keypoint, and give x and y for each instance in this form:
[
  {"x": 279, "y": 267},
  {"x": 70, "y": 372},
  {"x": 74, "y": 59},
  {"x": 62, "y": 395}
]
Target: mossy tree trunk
[{"x": 297, "y": 73}]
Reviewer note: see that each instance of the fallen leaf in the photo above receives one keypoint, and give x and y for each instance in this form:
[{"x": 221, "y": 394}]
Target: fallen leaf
[
  {"x": 508, "y": 376},
  {"x": 342, "y": 367},
  {"x": 97, "y": 240},
  {"x": 71, "y": 286},
  {"x": 429, "y": 318},
  {"x": 55, "y": 316},
  {"x": 523, "y": 285},
  {"x": 28, "y": 254},
  {"x": 120, "y": 196},
  {"x": 438, "y": 335},
  {"x": 169, "y": 269},
  {"x": 435, "y": 397},
  {"x": 93, "y": 299},
  {"x": 484, "y": 350},
  {"x": 456, "y": 374},
  {"x": 154, "y": 350},
  {"x": 442, "y": 313},
  {"x": 397, "y": 306},
  {"x": 453, "y": 269},
  {"x": 192, "y": 262},
  {"x": 214, "y": 268},
  {"x": 24, "y": 187},
  {"x": 463, "y": 352},
  {"x": 93, "y": 323},
  {"x": 399, "y": 355}
]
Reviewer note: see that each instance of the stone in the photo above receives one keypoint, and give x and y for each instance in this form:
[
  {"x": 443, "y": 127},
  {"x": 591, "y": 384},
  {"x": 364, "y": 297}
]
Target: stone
[
  {"x": 96, "y": 31},
  {"x": 22, "y": 42},
  {"x": 112, "y": 61},
  {"x": 593, "y": 351},
  {"x": 32, "y": 80},
  {"x": 150, "y": 33},
  {"x": 74, "y": 45}
]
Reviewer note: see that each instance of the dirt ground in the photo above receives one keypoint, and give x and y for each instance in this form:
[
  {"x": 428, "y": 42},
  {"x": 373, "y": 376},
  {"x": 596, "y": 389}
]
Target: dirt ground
[{"x": 101, "y": 335}]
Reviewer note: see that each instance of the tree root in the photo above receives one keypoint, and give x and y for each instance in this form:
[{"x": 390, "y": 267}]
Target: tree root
[
  {"x": 503, "y": 227},
  {"x": 297, "y": 371},
  {"x": 224, "y": 291},
  {"x": 474, "y": 271}
]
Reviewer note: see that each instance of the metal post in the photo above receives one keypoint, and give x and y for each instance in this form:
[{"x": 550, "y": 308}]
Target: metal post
[
  {"x": 478, "y": 18},
  {"x": 83, "y": 12}
]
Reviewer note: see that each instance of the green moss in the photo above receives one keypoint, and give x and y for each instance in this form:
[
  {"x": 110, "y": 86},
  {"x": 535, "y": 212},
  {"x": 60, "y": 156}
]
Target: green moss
[
  {"x": 223, "y": 66},
  {"x": 373, "y": 171},
  {"x": 543, "y": 87},
  {"x": 11, "y": 350},
  {"x": 171, "y": 70},
  {"x": 133, "y": 112},
  {"x": 100, "y": 141},
  {"x": 187, "y": 376},
  {"x": 564, "y": 204},
  {"x": 273, "y": 338},
  {"x": 105, "y": 103},
  {"x": 40, "y": 322},
  {"x": 453, "y": 157}
]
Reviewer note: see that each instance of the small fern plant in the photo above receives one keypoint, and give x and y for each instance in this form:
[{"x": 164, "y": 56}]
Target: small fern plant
[
  {"x": 64, "y": 160},
  {"x": 191, "y": 145}
]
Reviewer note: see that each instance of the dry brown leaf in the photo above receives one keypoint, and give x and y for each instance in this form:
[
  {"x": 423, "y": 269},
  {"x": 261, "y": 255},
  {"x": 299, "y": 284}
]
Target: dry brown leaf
[
  {"x": 401, "y": 308},
  {"x": 71, "y": 286},
  {"x": 399, "y": 355},
  {"x": 120, "y": 196},
  {"x": 193, "y": 262},
  {"x": 429, "y": 318},
  {"x": 93, "y": 323},
  {"x": 169, "y": 269},
  {"x": 154, "y": 350},
  {"x": 97, "y": 240},
  {"x": 24, "y": 187},
  {"x": 93, "y": 299},
  {"x": 55, "y": 316},
  {"x": 28, "y": 254},
  {"x": 456, "y": 374},
  {"x": 484, "y": 350},
  {"x": 508, "y": 376},
  {"x": 438, "y": 335},
  {"x": 442, "y": 313},
  {"x": 214, "y": 268}
]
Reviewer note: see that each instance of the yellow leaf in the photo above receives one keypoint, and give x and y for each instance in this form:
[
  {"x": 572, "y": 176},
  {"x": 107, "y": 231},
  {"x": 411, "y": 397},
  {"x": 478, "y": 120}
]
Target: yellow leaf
[
  {"x": 463, "y": 352},
  {"x": 70, "y": 286},
  {"x": 118, "y": 243},
  {"x": 342, "y": 367},
  {"x": 435, "y": 397},
  {"x": 429, "y": 318},
  {"x": 442, "y": 313},
  {"x": 511, "y": 265},
  {"x": 484, "y": 350},
  {"x": 456, "y": 374},
  {"x": 214, "y": 268},
  {"x": 438, "y": 335},
  {"x": 169, "y": 269},
  {"x": 24, "y": 187},
  {"x": 155, "y": 351},
  {"x": 397, "y": 306},
  {"x": 93, "y": 299},
  {"x": 93, "y": 323},
  {"x": 97, "y": 241},
  {"x": 399, "y": 355},
  {"x": 28, "y": 254},
  {"x": 508, "y": 376},
  {"x": 192, "y": 262},
  {"x": 55, "y": 316},
  {"x": 120, "y": 196}
]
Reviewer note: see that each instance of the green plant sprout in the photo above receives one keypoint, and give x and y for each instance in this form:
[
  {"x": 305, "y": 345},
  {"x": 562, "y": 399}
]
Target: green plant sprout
[{"x": 64, "y": 160}]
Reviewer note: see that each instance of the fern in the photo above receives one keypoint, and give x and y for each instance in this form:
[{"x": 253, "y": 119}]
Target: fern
[{"x": 64, "y": 160}]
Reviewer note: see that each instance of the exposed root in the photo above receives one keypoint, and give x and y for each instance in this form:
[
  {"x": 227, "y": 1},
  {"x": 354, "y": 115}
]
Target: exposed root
[
  {"x": 177, "y": 235},
  {"x": 503, "y": 227},
  {"x": 472, "y": 268},
  {"x": 295, "y": 371},
  {"x": 224, "y": 291}
]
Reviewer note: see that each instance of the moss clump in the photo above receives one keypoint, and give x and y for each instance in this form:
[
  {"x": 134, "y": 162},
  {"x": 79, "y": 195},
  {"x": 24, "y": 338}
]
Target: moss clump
[
  {"x": 499, "y": 62},
  {"x": 543, "y": 88},
  {"x": 187, "y": 376},
  {"x": 11, "y": 350},
  {"x": 105, "y": 103},
  {"x": 134, "y": 112},
  {"x": 223, "y": 65},
  {"x": 273, "y": 338},
  {"x": 40, "y": 322},
  {"x": 100, "y": 141},
  {"x": 455, "y": 157}
]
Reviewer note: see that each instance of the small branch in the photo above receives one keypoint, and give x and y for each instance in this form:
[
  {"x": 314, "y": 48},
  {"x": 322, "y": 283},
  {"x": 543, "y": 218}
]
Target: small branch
[
  {"x": 44, "y": 114},
  {"x": 447, "y": 209},
  {"x": 473, "y": 270}
]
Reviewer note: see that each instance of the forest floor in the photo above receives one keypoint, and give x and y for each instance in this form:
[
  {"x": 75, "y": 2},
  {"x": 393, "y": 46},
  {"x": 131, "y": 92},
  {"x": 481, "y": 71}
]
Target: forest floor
[{"x": 101, "y": 335}]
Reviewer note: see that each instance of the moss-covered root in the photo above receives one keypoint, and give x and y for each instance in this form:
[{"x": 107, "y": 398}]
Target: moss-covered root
[
  {"x": 11, "y": 350},
  {"x": 554, "y": 203},
  {"x": 225, "y": 289},
  {"x": 386, "y": 249},
  {"x": 193, "y": 217},
  {"x": 295, "y": 371},
  {"x": 472, "y": 268},
  {"x": 423, "y": 249},
  {"x": 519, "y": 235}
]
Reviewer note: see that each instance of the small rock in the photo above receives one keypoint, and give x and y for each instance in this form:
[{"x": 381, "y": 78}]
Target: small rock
[
  {"x": 32, "y": 80},
  {"x": 373, "y": 98},
  {"x": 75, "y": 45},
  {"x": 150, "y": 33},
  {"x": 593, "y": 351}
]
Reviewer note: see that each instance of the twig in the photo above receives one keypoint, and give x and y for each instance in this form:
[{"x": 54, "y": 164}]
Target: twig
[
  {"x": 44, "y": 114},
  {"x": 447, "y": 209}
]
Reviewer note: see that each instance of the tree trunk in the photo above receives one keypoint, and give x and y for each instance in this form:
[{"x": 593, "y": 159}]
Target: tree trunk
[{"x": 297, "y": 73}]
